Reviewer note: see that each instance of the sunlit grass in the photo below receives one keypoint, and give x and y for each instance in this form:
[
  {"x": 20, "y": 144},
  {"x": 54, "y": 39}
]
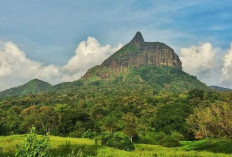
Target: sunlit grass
[
  {"x": 8, "y": 145},
  {"x": 144, "y": 150}
]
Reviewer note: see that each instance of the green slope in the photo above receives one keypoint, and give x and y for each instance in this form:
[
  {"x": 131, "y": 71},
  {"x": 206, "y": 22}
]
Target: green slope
[
  {"x": 162, "y": 78},
  {"x": 31, "y": 87}
]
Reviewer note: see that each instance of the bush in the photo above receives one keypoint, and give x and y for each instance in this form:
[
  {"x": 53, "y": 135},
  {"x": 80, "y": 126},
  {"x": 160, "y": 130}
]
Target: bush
[
  {"x": 32, "y": 147},
  {"x": 88, "y": 134},
  {"x": 116, "y": 140},
  {"x": 169, "y": 141},
  {"x": 160, "y": 138},
  {"x": 178, "y": 136}
]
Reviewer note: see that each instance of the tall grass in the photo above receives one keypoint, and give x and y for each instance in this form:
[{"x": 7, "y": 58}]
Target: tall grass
[
  {"x": 144, "y": 150},
  {"x": 62, "y": 146}
]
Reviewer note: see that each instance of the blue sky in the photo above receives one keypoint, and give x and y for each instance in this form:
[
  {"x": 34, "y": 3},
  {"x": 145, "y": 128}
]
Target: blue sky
[{"x": 49, "y": 31}]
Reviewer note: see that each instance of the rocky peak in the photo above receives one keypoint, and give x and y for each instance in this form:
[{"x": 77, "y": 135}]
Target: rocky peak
[
  {"x": 138, "y": 53},
  {"x": 138, "y": 39}
]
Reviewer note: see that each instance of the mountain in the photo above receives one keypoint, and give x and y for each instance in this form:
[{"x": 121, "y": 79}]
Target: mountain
[
  {"x": 138, "y": 53},
  {"x": 217, "y": 88},
  {"x": 151, "y": 64},
  {"x": 138, "y": 64},
  {"x": 31, "y": 87}
]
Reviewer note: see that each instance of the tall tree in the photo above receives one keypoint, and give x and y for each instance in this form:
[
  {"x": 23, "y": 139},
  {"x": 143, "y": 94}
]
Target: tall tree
[{"x": 130, "y": 127}]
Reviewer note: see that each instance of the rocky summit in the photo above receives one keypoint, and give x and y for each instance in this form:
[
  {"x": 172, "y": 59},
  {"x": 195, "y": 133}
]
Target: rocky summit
[{"x": 138, "y": 52}]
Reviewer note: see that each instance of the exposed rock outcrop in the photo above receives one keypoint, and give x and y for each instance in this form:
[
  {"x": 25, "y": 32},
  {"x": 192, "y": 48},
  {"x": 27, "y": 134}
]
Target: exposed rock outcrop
[{"x": 138, "y": 52}]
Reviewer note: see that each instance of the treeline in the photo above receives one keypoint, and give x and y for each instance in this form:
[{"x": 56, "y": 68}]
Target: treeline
[{"x": 144, "y": 115}]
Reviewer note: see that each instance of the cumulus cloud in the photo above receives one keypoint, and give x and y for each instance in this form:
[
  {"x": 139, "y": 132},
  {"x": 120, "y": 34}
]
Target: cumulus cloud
[
  {"x": 198, "y": 60},
  {"x": 16, "y": 68},
  {"x": 226, "y": 76},
  {"x": 88, "y": 54}
]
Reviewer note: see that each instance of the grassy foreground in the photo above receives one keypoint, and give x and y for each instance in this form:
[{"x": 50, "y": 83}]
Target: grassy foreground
[{"x": 61, "y": 146}]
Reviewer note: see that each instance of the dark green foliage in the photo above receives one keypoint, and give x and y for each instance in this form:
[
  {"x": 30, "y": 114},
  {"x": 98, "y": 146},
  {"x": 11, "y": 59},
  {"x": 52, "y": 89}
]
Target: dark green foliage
[
  {"x": 196, "y": 93},
  {"x": 160, "y": 138},
  {"x": 125, "y": 109},
  {"x": 88, "y": 134},
  {"x": 116, "y": 140},
  {"x": 171, "y": 117},
  {"x": 33, "y": 147},
  {"x": 170, "y": 141}
]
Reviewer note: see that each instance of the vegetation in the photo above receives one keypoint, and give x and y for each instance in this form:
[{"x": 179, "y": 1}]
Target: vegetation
[
  {"x": 32, "y": 147},
  {"x": 212, "y": 121},
  {"x": 148, "y": 77},
  {"x": 144, "y": 111},
  {"x": 61, "y": 146},
  {"x": 116, "y": 140},
  {"x": 133, "y": 117}
]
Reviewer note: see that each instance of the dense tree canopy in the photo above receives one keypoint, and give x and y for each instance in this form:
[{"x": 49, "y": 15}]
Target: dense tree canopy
[{"x": 136, "y": 111}]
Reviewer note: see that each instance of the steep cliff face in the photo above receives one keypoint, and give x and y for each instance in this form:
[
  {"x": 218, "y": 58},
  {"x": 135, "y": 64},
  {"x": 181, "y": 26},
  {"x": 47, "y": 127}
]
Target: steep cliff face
[{"x": 138, "y": 53}]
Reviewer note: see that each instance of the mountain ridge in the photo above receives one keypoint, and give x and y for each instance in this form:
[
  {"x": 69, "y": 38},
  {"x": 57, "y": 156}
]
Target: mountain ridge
[
  {"x": 218, "y": 88},
  {"x": 151, "y": 65}
]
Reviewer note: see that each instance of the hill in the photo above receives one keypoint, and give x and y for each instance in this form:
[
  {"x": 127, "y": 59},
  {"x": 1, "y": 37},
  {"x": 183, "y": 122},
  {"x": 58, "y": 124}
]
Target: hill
[
  {"x": 31, "y": 87},
  {"x": 217, "y": 88}
]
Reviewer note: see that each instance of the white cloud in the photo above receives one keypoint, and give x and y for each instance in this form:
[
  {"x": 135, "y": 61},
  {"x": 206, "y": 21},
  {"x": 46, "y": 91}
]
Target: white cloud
[
  {"x": 16, "y": 68},
  {"x": 226, "y": 76},
  {"x": 88, "y": 54},
  {"x": 198, "y": 60}
]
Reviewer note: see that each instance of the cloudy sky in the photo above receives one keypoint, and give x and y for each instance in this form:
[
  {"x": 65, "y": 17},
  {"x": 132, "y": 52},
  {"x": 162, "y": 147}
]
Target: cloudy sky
[{"x": 58, "y": 40}]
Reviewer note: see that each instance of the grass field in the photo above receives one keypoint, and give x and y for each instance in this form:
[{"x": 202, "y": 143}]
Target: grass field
[{"x": 61, "y": 146}]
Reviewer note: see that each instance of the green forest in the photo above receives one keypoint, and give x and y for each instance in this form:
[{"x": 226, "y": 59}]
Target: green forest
[{"x": 125, "y": 116}]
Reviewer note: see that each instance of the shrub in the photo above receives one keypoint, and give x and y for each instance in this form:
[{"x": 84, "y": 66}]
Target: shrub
[
  {"x": 178, "y": 136},
  {"x": 32, "y": 147},
  {"x": 160, "y": 138},
  {"x": 88, "y": 134},
  {"x": 116, "y": 140},
  {"x": 169, "y": 141}
]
